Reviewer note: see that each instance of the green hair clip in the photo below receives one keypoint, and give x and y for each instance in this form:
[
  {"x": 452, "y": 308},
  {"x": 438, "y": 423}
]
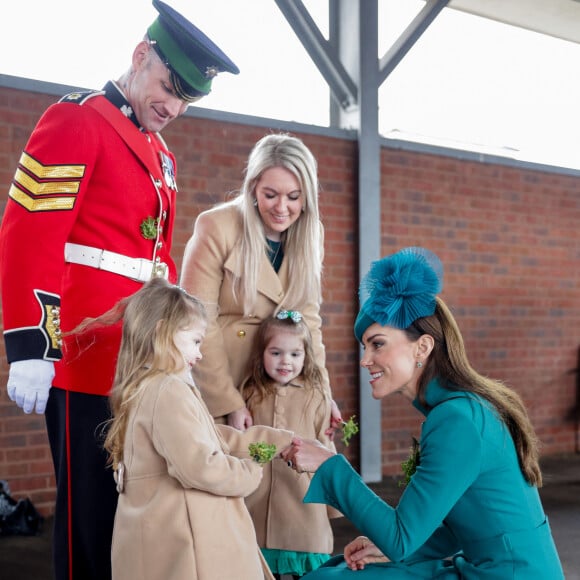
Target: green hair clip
[{"x": 294, "y": 315}]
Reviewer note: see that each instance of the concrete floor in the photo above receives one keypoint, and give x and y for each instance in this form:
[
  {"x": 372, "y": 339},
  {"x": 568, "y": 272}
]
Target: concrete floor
[{"x": 29, "y": 558}]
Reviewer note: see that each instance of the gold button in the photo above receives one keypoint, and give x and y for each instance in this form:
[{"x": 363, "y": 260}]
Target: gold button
[{"x": 241, "y": 333}]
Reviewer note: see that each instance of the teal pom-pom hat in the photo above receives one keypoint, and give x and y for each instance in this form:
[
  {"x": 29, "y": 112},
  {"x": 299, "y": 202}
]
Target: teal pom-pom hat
[{"x": 399, "y": 289}]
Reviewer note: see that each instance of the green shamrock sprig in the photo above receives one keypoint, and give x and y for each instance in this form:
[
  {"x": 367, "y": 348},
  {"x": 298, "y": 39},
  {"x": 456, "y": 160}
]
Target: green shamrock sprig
[
  {"x": 409, "y": 466},
  {"x": 349, "y": 428},
  {"x": 262, "y": 452},
  {"x": 149, "y": 228}
]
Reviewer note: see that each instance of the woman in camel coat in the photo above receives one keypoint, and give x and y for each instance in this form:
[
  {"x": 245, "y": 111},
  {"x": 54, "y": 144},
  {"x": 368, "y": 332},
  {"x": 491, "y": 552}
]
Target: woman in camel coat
[
  {"x": 252, "y": 257},
  {"x": 209, "y": 271}
]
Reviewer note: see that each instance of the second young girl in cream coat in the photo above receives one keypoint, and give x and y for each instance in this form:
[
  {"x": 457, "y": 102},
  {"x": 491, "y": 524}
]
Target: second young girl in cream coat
[{"x": 284, "y": 390}]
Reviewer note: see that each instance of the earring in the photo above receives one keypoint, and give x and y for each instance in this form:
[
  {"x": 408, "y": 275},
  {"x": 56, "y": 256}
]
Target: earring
[
  {"x": 419, "y": 364},
  {"x": 255, "y": 202}
]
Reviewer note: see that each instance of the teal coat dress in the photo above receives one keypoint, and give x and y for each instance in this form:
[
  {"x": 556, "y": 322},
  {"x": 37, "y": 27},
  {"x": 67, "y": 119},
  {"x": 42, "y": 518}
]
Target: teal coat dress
[{"x": 467, "y": 512}]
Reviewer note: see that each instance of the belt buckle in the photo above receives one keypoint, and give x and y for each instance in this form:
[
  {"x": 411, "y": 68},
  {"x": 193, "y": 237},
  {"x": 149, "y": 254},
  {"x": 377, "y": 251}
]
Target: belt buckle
[{"x": 160, "y": 270}]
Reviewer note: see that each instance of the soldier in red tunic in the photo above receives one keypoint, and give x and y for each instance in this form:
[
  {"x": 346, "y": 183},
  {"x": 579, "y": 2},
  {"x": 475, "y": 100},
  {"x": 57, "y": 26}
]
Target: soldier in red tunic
[{"x": 89, "y": 219}]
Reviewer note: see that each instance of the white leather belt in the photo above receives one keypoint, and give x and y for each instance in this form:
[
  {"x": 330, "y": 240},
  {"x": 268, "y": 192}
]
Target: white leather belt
[{"x": 134, "y": 268}]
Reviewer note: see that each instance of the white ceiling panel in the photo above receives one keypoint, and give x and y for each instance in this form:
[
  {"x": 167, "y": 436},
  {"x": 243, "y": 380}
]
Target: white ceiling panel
[{"x": 559, "y": 18}]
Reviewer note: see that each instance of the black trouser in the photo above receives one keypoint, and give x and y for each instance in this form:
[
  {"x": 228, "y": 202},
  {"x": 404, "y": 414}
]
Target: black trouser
[{"x": 86, "y": 497}]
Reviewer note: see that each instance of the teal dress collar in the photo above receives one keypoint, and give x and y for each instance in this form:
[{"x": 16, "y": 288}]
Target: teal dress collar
[{"x": 436, "y": 393}]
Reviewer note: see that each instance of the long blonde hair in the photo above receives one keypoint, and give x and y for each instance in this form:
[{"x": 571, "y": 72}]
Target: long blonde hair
[
  {"x": 151, "y": 317},
  {"x": 448, "y": 362},
  {"x": 302, "y": 242}
]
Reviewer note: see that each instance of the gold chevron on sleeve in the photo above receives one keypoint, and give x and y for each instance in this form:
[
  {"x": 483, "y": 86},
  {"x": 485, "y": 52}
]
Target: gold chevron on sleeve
[
  {"x": 31, "y": 203},
  {"x": 45, "y": 187},
  {"x": 51, "y": 171},
  {"x": 39, "y": 187}
]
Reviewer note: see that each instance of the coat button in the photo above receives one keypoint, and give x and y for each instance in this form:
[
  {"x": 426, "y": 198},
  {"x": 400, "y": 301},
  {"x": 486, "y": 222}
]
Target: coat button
[{"x": 241, "y": 333}]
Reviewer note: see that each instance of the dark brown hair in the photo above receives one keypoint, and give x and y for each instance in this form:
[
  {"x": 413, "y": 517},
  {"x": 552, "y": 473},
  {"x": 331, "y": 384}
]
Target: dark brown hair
[{"x": 448, "y": 362}]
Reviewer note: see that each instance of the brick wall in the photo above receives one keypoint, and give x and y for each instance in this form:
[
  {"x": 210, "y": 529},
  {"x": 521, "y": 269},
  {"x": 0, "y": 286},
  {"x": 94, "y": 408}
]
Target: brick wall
[{"x": 508, "y": 236}]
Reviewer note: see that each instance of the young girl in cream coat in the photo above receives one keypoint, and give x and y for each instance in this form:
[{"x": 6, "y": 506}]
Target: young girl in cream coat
[
  {"x": 181, "y": 512},
  {"x": 285, "y": 390}
]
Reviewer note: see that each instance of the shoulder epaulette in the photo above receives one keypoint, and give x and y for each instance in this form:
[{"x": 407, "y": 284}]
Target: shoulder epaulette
[{"x": 80, "y": 97}]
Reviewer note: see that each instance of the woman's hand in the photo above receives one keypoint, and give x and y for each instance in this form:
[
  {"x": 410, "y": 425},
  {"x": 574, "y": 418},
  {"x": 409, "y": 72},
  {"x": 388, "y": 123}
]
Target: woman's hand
[
  {"x": 241, "y": 419},
  {"x": 306, "y": 454},
  {"x": 335, "y": 420},
  {"x": 360, "y": 552}
]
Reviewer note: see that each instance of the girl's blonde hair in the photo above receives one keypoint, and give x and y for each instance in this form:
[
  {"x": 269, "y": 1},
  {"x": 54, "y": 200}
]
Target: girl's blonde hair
[
  {"x": 448, "y": 362},
  {"x": 151, "y": 318},
  {"x": 303, "y": 241},
  {"x": 258, "y": 384}
]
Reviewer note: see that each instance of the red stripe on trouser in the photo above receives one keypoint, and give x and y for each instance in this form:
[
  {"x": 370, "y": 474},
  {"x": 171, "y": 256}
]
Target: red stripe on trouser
[{"x": 69, "y": 491}]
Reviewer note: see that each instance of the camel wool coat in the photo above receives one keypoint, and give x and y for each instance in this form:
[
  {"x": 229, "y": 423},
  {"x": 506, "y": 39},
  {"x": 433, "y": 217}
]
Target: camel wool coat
[
  {"x": 281, "y": 519},
  {"x": 210, "y": 267},
  {"x": 181, "y": 513}
]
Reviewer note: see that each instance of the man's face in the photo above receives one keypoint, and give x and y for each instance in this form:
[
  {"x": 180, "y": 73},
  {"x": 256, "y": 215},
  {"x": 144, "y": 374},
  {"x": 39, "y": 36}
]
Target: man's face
[{"x": 150, "y": 92}]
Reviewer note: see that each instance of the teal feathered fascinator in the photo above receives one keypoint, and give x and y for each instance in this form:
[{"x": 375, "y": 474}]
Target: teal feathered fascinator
[{"x": 399, "y": 289}]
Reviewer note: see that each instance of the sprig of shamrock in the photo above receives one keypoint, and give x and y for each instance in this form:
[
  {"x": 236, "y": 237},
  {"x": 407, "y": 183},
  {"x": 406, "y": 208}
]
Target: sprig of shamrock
[
  {"x": 349, "y": 428},
  {"x": 262, "y": 452},
  {"x": 149, "y": 228},
  {"x": 409, "y": 466}
]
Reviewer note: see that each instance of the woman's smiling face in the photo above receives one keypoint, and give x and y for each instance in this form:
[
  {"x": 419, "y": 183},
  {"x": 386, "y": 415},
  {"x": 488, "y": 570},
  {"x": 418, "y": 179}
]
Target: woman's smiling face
[
  {"x": 391, "y": 359},
  {"x": 279, "y": 199}
]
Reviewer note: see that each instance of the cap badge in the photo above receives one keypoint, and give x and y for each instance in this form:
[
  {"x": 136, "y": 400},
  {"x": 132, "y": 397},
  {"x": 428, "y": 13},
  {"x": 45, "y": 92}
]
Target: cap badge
[{"x": 211, "y": 72}]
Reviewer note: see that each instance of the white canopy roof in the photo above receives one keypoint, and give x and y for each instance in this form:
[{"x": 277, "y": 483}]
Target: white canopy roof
[{"x": 559, "y": 18}]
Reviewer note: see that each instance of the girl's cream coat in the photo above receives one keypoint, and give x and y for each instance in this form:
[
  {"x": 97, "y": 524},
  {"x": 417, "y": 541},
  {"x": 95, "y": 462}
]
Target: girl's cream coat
[
  {"x": 181, "y": 515},
  {"x": 209, "y": 270},
  {"x": 281, "y": 520}
]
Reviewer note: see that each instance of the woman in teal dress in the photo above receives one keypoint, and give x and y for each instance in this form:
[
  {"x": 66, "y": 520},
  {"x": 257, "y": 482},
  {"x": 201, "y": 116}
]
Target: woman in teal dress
[{"x": 471, "y": 509}]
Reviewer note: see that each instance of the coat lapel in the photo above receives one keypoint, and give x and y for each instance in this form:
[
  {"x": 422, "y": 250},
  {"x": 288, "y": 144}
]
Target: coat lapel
[{"x": 270, "y": 283}]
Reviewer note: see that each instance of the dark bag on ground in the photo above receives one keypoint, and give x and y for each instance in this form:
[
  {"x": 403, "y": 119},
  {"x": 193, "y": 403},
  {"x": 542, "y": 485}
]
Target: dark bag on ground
[{"x": 18, "y": 518}]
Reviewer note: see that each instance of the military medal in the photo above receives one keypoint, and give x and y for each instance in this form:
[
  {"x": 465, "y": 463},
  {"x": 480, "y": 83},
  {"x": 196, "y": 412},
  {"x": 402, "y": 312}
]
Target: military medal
[{"x": 168, "y": 170}]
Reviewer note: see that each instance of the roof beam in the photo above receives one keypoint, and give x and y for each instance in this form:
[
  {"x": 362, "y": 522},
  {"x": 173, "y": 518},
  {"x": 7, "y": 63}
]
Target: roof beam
[
  {"x": 322, "y": 53},
  {"x": 409, "y": 37}
]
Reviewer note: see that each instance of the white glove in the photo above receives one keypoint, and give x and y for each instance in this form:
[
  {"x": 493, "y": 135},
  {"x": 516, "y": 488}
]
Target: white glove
[{"x": 29, "y": 382}]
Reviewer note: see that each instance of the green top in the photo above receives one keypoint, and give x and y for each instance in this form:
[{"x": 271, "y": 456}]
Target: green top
[{"x": 275, "y": 254}]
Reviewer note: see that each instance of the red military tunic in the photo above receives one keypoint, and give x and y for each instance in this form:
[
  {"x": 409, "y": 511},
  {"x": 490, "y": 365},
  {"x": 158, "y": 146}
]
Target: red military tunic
[{"x": 95, "y": 185}]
